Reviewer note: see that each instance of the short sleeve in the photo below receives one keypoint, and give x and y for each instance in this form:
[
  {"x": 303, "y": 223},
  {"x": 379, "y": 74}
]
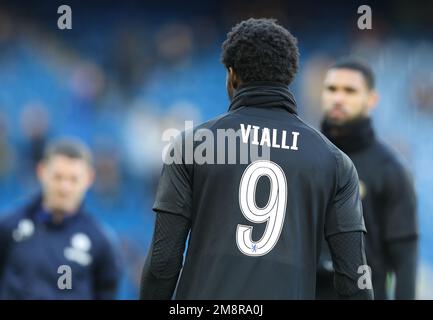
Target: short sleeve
[
  {"x": 174, "y": 192},
  {"x": 400, "y": 203},
  {"x": 345, "y": 211}
]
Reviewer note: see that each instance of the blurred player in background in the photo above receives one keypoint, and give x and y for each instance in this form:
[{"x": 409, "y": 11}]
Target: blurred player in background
[
  {"x": 254, "y": 238},
  {"x": 387, "y": 192},
  {"x": 54, "y": 230}
]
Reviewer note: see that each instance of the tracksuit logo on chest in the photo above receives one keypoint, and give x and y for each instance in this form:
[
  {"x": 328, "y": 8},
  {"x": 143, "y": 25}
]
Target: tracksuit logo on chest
[
  {"x": 79, "y": 249},
  {"x": 24, "y": 230}
]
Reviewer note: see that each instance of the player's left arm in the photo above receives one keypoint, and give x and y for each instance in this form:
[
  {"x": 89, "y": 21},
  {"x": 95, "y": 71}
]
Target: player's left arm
[
  {"x": 401, "y": 229},
  {"x": 107, "y": 269}
]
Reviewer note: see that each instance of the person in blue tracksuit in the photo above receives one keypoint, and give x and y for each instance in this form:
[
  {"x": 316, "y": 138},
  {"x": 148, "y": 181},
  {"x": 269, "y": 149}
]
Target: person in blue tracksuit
[{"x": 51, "y": 248}]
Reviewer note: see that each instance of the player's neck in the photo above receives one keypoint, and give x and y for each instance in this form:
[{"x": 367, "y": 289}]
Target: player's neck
[
  {"x": 351, "y": 136},
  {"x": 263, "y": 94}
]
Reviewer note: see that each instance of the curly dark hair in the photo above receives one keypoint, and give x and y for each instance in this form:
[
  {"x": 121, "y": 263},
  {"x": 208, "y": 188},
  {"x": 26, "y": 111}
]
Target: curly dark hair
[{"x": 261, "y": 50}]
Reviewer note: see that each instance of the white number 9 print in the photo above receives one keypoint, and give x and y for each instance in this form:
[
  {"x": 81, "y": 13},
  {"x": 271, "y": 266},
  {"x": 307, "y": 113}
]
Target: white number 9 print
[{"x": 273, "y": 213}]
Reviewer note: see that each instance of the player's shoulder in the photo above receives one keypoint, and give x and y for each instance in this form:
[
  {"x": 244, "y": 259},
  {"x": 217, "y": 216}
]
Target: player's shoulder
[
  {"x": 395, "y": 169},
  {"x": 343, "y": 165},
  {"x": 88, "y": 221},
  {"x": 11, "y": 218},
  {"x": 100, "y": 232},
  {"x": 324, "y": 143},
  {"x": 389, "y": 157},
  {"x": 214, "y": 122},
  {"x": 183, "y": 135}
]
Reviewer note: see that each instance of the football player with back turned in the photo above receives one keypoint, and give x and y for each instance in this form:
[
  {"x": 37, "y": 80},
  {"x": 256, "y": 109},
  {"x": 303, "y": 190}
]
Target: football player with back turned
[{"x": 256, "y": 228}]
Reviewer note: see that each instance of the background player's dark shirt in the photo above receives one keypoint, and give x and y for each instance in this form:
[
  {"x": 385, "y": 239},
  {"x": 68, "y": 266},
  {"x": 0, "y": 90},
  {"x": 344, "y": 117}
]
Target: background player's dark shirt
[
  {"x": 387, "y": 192},
  {"x": 322, "y": 198}
]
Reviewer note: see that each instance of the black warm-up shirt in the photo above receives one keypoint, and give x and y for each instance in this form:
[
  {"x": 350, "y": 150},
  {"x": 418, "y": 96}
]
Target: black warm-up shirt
[
  {"x": 389, "y": 204},
  {"x": 256, "y": 228}
]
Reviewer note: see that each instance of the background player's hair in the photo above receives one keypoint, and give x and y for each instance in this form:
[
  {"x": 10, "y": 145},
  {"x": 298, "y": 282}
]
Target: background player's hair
[
  {"x": 357, "y": 65},
  {"x": 68, "y": 147},
  {"x": 261, "y": 50}
]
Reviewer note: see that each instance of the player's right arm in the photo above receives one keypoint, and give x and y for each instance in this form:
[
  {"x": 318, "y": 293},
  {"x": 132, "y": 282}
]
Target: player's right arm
[
  {"x": 344, "y": 231},
  {"x": 165, "y": 257}
]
